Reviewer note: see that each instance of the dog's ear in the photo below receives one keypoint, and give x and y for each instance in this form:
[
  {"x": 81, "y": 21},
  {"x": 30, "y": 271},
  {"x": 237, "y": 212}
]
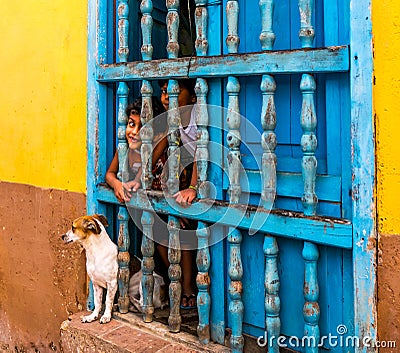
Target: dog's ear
[
  {"x": 92, "y": 225},
  {"x": 102, "y": 219}
]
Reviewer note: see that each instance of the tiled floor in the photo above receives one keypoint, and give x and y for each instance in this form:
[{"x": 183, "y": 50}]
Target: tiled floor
[{"x": 123, "y": 336}]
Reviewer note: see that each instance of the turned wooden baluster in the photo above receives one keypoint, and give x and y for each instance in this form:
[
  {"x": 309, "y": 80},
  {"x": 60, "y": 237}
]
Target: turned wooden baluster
[
  {"x": 236, "y": 307},
  {"x": 232, "y": 17},
  {"x": 148, "y": 265},
  {"x": 267, "y": 36},
  {"x": 235, "y": 269},
  {"x": 308, "y": 116},
  {"x": 309, "y": 144},
  {"x": 174, "y": 249},
  {"x": 172, "y": 28},
  {"x": 123, "y": 215},
  {"x": 201, "y": 20},
  {"x": 146, "y": 134},
  {"x": 202, "y": 157},
  {"x": 147, "y": 247},
  {"x": 123, "y": 30},
  {"x": 203, "y": 252},
  {"x": 146, "y": 23},
  {"x": 272, "y": 300},
  {"x": 306, "y": 34},
  {"x": 233, "y": 139},
  {"x": 268, "y": 143},
  {"x": 311, "y": 311}
]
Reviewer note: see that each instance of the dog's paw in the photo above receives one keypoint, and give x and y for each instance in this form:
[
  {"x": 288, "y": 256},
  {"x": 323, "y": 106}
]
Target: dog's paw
[
  {"x": 105, "y": 318},
  {"x": 89, "y": 318}
]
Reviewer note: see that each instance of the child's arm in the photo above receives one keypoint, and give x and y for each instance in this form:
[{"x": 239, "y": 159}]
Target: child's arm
[{"x": 113, "y": 181}]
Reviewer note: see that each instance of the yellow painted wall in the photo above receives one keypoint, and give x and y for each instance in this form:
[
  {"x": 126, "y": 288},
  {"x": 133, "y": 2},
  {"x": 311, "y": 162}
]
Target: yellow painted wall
[
  {"x": 43, "y": 98},
  {"x": 43, "y": 93},
  {"x": 386, "y": 22}
]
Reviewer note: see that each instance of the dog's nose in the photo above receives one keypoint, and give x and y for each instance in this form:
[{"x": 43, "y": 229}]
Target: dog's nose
[{"x": 63, "y": 236}]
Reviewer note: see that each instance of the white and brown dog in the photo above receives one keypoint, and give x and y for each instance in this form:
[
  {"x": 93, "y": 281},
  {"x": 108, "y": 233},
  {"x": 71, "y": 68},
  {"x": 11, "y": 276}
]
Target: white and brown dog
[{"x": 101, "y": 261}]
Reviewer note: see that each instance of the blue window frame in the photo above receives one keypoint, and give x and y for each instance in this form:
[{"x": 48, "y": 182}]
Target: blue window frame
[{"x": 342, "y": 229}]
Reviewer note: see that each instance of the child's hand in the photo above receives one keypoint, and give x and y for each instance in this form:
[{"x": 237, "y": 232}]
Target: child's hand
[
  {"x": 119, "y": 192},
  {"x": 185, "y": 197},
  {"x": 132, "y": 186},
  {"x": 184, "y": 222}
]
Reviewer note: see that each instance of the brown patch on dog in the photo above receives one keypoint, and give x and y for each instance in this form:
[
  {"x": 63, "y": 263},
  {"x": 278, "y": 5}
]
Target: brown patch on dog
[
  {"x": 86, "y": 225},
  {"x": 102, "y": 219}
]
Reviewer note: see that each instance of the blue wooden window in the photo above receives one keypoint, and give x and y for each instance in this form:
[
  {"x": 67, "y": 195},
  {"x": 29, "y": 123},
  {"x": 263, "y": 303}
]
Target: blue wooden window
[{"x": 322, "y": 220}]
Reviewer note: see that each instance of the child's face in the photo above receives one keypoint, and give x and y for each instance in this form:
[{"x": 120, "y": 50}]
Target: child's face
[
  {"x": 164, "y": 96},
  {"x": 184, "y": 97},
  {"x": 132, "y": 131}
]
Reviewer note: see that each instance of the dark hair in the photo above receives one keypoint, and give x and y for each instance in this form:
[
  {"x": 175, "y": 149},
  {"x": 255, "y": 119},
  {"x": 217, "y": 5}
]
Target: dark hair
[
  {"x": 158, "y": 109},
  {"x": 188, "y": 83},
  {"x": 135, "y": 107},
  {"x": 162, "y": 82}
]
